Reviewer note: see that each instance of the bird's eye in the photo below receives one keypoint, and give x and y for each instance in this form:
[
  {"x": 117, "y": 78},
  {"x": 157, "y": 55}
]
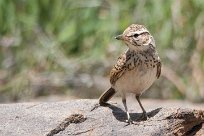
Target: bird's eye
[{"x": 136, "y": 35}]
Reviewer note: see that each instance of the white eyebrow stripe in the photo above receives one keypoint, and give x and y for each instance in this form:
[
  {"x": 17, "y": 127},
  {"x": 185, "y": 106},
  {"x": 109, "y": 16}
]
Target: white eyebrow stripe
[{"x": 138, "y": 32}]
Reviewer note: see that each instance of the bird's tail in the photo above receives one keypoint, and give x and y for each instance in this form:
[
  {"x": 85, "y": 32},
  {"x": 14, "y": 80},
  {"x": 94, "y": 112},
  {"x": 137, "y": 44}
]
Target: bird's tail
[{"x": 106, "y": 96}]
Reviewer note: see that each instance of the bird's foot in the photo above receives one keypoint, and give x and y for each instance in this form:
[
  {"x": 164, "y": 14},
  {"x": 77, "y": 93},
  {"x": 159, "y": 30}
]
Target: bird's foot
[
  {"x": 144, "y": 116},
  {"x": 129, "y": 122}
]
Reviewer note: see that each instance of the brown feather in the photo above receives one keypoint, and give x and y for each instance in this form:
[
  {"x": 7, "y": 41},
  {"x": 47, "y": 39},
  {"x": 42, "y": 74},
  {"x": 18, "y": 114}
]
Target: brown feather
[
  {"x": 106, "y": 96},
  {"x": 158, "y": 69},
  {"x": 118, "y": 69}
]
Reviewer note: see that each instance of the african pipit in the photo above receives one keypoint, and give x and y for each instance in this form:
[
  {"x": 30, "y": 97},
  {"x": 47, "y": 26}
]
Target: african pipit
[{"x": 136, "y": 69}]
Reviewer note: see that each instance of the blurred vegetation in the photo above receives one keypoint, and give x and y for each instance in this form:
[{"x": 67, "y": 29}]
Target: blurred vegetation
[{"x": 67, "y": 46}]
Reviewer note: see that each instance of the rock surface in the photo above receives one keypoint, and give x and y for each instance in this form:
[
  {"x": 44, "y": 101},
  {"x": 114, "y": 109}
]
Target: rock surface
[{"x": 77, "y": 117}]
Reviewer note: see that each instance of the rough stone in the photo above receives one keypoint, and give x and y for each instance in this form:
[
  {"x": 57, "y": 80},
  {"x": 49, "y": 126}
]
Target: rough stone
[{"x": 76, "y": 117}]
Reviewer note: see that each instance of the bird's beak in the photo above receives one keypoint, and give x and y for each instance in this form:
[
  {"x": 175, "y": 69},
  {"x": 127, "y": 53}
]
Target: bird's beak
[{"x": 119, "y": 37}]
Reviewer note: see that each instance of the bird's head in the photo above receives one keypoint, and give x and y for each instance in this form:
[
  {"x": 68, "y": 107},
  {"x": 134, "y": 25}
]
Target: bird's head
[{"x": 137, "y": 37}]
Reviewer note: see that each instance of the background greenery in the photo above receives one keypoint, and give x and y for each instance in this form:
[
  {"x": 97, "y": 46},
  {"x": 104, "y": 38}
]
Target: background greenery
[{"x": 68, "y": 47}]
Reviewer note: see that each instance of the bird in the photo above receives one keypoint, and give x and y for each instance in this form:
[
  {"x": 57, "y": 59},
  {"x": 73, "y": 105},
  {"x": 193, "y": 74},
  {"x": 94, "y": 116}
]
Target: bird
[{"x": 136, "y": 69}]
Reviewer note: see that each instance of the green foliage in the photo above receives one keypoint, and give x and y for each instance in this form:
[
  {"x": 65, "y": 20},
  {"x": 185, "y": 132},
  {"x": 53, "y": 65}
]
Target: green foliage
[{"x": 44, "y": 35}]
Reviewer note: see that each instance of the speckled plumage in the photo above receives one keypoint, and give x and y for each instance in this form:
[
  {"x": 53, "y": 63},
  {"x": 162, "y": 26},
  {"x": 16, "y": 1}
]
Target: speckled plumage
[
  {"x": 135, "y": 72},
  {"x": 137, "y": 68}
]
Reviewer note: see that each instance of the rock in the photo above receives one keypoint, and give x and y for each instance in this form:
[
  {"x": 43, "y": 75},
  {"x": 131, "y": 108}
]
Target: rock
[{"x": 79, "y": 117}]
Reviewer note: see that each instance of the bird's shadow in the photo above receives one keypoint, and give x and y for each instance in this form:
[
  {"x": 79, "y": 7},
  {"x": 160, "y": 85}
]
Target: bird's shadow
[{"x": 120, "y": 115}]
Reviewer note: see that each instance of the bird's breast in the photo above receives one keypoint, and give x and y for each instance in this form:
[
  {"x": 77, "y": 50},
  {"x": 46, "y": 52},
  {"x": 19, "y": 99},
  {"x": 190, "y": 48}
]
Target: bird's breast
[{"x": 136, "y": 80}]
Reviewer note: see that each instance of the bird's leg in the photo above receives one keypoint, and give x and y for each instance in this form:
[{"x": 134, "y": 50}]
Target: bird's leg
[
  {"x": 144, "y": 114},
  {"x": 126, "y": 109}
]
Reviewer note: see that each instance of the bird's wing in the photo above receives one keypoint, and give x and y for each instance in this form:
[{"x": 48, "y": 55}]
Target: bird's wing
[
  {"x": 118, "y": 69},
  {"x": 158, "y": 69}
]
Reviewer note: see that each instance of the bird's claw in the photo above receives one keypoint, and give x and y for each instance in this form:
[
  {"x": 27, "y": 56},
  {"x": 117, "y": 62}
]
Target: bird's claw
[
  {"x": 129, "y": 121},
  {"x": 144, "y": 116}
]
